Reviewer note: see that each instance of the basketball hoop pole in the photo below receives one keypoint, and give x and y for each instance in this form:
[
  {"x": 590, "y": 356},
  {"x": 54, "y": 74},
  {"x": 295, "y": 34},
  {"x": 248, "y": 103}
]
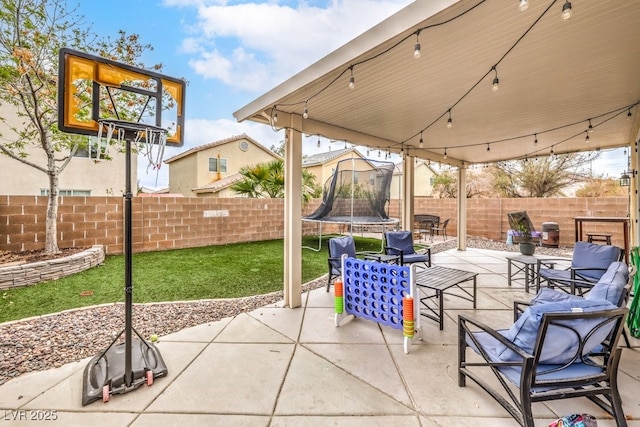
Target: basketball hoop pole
[{"x": 128, "y": 265}]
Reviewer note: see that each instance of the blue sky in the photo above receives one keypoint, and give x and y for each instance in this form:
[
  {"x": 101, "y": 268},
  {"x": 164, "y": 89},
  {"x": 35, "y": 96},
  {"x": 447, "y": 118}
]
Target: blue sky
[{"x": 231, "y": 52}]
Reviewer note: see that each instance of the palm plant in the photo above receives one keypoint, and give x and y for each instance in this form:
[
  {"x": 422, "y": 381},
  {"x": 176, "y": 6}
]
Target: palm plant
[{"x": 266, "y": 180}]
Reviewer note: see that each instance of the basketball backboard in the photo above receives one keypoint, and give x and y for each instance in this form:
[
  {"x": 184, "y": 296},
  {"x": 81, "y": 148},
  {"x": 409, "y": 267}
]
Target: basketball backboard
[{"x": 93, "y": 89}]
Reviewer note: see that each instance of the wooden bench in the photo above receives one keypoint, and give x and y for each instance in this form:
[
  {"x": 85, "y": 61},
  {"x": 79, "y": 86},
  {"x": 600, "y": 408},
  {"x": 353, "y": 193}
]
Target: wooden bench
[{"x": 599, "y": 237}]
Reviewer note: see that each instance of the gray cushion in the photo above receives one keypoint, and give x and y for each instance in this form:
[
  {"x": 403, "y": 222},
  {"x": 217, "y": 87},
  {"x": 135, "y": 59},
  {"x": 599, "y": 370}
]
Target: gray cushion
[
  {"x": 611, "y": 284},
  {"x": 587, "y": 255},
  {"x": 560, "y": 344}
]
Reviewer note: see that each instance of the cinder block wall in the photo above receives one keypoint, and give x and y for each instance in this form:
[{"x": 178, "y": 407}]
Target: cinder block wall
[
  {"x": 179, "y": 222},
  {"x": 488, "y": 217}
]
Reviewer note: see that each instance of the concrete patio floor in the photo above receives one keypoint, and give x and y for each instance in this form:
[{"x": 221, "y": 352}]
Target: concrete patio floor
[{"x": 281, "y": 367}]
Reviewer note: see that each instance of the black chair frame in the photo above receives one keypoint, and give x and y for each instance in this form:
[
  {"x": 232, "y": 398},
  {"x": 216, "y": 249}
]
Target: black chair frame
[{"x": 601, "y": 388}]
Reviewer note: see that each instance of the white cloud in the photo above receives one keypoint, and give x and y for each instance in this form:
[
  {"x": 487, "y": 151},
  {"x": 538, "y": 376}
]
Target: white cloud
[{"x": 265, "y": 43}]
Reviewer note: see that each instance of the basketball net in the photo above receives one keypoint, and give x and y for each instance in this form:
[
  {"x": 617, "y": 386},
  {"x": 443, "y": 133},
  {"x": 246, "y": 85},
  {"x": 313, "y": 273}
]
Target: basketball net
[{"x": 150, "y": 141}]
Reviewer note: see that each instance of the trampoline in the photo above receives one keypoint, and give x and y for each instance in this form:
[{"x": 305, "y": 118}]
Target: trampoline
[{"x": 356, "y": 195}]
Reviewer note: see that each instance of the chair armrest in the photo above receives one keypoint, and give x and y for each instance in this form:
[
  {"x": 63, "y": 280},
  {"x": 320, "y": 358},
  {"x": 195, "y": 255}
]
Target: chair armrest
[
  {"x": 542, "y": 261},
  {"x": 463, "y": 327},
  {"x": 519, "y": 307},
  {"x": 398, "y": 250}
]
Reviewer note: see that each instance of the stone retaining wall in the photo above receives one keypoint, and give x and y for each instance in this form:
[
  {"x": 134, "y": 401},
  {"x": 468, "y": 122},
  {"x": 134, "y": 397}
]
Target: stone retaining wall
[{"x": 28, "y": 274}]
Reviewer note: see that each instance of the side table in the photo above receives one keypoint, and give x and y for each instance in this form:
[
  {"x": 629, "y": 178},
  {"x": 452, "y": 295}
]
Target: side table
[
  {"x": 387, "y": 259},
  {"x": 528, "y": 265}
]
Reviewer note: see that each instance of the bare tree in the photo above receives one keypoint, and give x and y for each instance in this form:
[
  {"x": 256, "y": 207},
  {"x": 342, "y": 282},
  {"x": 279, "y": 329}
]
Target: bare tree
[
  {"x": 540, "y": 177},
  {"x": 543, "y": 176},
  {"x": 31, "y": 34}
]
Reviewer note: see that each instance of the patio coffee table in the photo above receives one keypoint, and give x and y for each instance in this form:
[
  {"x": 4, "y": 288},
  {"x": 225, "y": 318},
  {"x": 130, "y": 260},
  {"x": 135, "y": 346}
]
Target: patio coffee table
[
  {"x": 441, "y": 279},
  {"x": 528, "y": 265},
  {"x": 387, "y": 259}
]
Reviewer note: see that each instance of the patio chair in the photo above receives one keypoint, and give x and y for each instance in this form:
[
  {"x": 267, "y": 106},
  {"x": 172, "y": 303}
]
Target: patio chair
[
  {"x": 614, "y": 286},
  {"x": 401, "y": 243},
  {"x": 440, "y": 229},
  {"x": 554, "y": 351},
  {"x": 516, "y": 219},
  {"x": 337, "y": 247},
  {"x": 589, "y": 263}
]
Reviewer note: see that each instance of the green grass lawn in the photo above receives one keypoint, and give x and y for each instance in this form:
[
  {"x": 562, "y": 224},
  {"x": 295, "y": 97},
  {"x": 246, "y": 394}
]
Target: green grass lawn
[{"x": 226, "y": 271}]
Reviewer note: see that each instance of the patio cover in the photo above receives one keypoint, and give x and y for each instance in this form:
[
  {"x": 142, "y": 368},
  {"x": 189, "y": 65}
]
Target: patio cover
[{"x": 555, "y": 78}]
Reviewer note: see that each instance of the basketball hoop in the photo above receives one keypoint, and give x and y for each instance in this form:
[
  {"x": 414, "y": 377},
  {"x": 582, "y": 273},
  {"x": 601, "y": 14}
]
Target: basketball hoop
[{"x": 146, "y": 138}]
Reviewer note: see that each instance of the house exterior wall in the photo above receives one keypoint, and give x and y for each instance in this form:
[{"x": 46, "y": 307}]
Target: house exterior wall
[
  {"x": 99, "y": 178},
  {"x": 192, "y": 171},
  {"x": 183, "y": 175},
  {"x": 161, "y": 223},
  {"x": 422, "y": 176}
]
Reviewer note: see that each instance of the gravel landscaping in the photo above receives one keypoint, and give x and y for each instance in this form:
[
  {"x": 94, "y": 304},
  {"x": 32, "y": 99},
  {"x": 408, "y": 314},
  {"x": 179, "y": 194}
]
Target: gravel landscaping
[{"x": 50, "y": 341}]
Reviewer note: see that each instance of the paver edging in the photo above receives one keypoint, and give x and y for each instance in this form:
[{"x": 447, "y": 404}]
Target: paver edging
[{"x": 15, "y": 276}]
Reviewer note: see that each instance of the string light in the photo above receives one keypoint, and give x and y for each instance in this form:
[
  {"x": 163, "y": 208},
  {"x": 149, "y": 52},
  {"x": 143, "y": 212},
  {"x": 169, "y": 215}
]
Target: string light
[
  {"x": 416, "y": 48},
  {"x": 421, "y": 143},
  {"x": 445, "y": 154},
  {"x": 449, "y": 121},
  {"x": 318, "y": 144},
  {"x": 488, "y": 147},
  {"x": 586, "y": 139},
  {"x": 368, "y": 151},
  {"x": 566, "y": 10},
  {"x": 275, "y": 117},
  {"x": 535, "y": 139},
  {"x": 352, "y": 80},
  {"x": 629, "y": 114},
  {"x": 524, "y": 5},
  {"x": 496, "y": 80},
  {"x": 379, "y": 153},
  {"x": 590, "y": 129},
  {"x": 305, "y": 114}
]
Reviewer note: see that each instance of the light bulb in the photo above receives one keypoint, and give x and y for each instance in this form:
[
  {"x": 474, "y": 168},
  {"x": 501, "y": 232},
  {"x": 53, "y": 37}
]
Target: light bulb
[
  {"x": 590, "y": 129},
  {"x": 566, "y": 10},
  {"x": 305, "y": 114},
  {"x": 496, "y": 83},
  {"x": 524, "y": 5},
  {"x": 449, "y": 123},
  {"x": 275, "y": 118},
  {"x": 488, "y": 147},
  {"x": 586, "y": 139},
  {"x": 445, "y": 154},
  {"x": 629, "y": 115},
  {"x": 535, "y": 140},
  {"x": 421, "y": 143},
  {"x": 416, "y": 51},
  {"x": 318, "y": 144},
  {"x": 352, "y": 82}
]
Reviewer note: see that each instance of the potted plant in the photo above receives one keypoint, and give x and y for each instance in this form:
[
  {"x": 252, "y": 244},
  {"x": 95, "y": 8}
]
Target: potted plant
[{"x": 527, "y": 247}]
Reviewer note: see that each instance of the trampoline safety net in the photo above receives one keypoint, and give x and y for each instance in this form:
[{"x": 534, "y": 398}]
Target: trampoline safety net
[{"x": 357, "y": 192}]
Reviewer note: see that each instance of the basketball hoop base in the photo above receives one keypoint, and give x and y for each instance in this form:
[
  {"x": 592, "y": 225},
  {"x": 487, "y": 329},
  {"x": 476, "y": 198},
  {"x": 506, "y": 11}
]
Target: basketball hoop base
[{"x": 105, "y": 373}]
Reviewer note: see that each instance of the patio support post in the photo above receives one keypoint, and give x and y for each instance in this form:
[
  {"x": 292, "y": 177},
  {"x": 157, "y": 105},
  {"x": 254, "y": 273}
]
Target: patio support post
[
  {"x": 462, "y": 208},
  {"x": 634, "y": 202},
  {"x": 293, "y": 215},
  {"x": 407, "y": 192}
]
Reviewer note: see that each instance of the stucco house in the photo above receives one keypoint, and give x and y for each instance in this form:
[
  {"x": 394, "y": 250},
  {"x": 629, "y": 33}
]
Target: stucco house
[
  {"x": 424, "y": 176},
  {"x": 210, "y": 169},
  {"x": 83, "y": 176},
  {"x": 322, "y": 165}
]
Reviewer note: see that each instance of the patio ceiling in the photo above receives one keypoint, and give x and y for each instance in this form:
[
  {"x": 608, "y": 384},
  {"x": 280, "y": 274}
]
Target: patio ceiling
[{"x": 554, "y": 76}]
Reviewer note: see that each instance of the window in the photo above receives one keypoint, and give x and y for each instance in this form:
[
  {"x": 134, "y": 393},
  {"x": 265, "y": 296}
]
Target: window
[
  {"x": 91, "y": 149},
  {"x": 217, "y": 165},
  {"x": 45, "y": 192}
]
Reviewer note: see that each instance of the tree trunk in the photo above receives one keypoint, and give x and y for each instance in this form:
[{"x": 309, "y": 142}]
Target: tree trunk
[{"x": 51, "y": 230}]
